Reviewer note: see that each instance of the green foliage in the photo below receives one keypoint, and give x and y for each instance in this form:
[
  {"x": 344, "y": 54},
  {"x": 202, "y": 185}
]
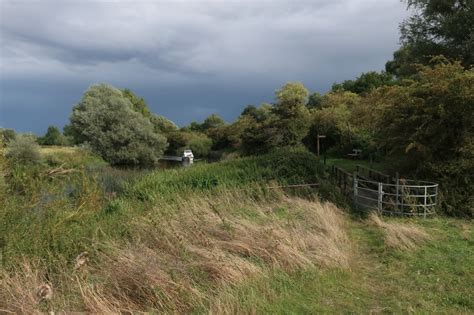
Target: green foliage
[
  {"x": 162, "y": 125},
  {"x": 314, "y": 101},
  {"x": 259, "y": 138},
  {"x": 433, "y": 279},
  {"x": 23, "y": 150},
  {"x": 437, "y": 27},
  {"x": 281, "y": 166},
  {"x": 336, "y": 121},
  {"x": 428, "y": 124},
  {"x": 7, "y": 135},
  {"x": 199, "y": 143},
  {"x": 109, "y": 123},
  {"x": 292, "y": 115},
  {"x": 63, "y": 216},
  {"x": 53, "y": 137},
  {"x": 291, "y": 95},
  {"x": 365, "y": 83},
  {"x": 213, "y": 121},
  {"x": 3, "y": 171},
  {"x": 138, "y": 103}
]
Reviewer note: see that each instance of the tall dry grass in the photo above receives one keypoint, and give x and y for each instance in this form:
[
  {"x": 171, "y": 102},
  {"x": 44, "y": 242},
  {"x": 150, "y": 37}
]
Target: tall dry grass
[
  {"x": 178, "y": 263},
  {"x": 399, "y": 235}
]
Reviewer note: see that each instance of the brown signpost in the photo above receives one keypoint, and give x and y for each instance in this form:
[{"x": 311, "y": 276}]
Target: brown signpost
[{"x": 318, "y": 145}]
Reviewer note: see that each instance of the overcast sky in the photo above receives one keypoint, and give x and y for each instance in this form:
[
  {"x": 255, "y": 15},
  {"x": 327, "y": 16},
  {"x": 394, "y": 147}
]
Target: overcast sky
[{"x": 188, "y": 59}]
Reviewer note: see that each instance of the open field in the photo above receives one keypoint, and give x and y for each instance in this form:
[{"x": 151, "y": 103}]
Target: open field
[{"x": 213, "y": 238}]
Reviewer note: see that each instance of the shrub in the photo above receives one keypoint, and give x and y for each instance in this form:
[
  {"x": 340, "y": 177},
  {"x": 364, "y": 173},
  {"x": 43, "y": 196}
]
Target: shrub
[
  {"x": 53, "y": 137},
  {"x": 7, "y": 135},
  {"x": 24, "y": 150}
]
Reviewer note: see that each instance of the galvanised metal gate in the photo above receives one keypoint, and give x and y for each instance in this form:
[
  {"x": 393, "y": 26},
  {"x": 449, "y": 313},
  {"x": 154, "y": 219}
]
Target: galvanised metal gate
[
  {"x": 405, "y": 197},
  {"x": 371, "y": 189}
]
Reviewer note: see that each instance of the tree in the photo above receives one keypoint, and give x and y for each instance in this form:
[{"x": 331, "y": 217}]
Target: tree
[
  {"x": 138, "y": 103},
  {"x": 213, "y": 121},
  {"x": 438, "y": 27},
  {"x": 292, "y": 116},
  {"x": 106, "y": 119},
  {"x": 291, "y": 95},
  {"x": 52, "y": 137},
  {"x": 365, "y": 83},
  {"x": 259, "y": 114},
  {"x": 199, "y": 143},
  {"x": 162, "y": 125},
  {"x": 334, "y": 121},
  {"x": 314, "y": 101},
  {"x": 258, "y": 138},
  {"x": 428, "y": 125}
]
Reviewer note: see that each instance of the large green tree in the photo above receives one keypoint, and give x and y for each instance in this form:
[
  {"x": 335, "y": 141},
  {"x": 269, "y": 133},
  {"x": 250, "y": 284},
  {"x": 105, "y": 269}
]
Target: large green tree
[
  {"x": 437, "y": 27},
  {"x": 365, "y": 83},
  {"x": 428, "y": 125},
  {"x": 106, "y": 118},
  {"x": 292, "y": 115},
  {"x": 53, "y": 137}
]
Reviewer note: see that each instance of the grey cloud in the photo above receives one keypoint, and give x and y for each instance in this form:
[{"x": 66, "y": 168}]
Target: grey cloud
[{"x": 228, "y": 48}]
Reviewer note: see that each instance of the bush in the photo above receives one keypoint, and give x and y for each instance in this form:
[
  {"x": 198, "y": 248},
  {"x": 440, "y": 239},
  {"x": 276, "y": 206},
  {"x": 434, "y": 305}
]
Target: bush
[
  {"x": 6, "y": 135},
  {"x": 24, "y": 150},
  {"x": 53, "y": 137}
]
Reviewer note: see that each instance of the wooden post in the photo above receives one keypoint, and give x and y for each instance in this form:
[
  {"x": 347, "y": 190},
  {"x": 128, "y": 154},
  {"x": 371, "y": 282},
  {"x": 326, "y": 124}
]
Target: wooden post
[
  {"x": 317, "y": 142},
  {"x": 317, "y": 145}
]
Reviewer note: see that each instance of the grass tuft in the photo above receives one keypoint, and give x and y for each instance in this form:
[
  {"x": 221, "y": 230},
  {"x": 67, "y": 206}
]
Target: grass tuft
[{"x": 400, "y": 235}]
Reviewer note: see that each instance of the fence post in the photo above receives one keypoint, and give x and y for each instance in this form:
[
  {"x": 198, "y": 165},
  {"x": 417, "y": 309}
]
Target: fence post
[
  {"x": 424, "y": 211},
  {"x": 397, "y": 190},
  {"x": 345, "y": 182},
  {"x": 379, "y": 205},
  {"x": 355, "y": 188}
]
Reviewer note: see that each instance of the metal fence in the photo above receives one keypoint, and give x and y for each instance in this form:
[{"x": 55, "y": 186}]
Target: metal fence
[
  {"x": 371, "y": 189},
  {"x": 407, "y": 197}
]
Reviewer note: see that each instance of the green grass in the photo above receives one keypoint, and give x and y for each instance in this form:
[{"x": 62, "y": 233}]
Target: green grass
[
  {"x": 438, "y": 277},
  {"x": 55, "y": 218}
]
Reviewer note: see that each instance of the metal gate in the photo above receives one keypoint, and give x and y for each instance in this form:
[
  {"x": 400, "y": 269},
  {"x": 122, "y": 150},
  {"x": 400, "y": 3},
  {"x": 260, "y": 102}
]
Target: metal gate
[
  {"x": 371, "y": 189},
  {"x": 406, "y": 197}
]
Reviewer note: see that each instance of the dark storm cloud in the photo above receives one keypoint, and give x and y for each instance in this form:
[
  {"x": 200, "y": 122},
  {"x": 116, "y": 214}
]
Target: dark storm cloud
[{"x": 187, "y": 58}]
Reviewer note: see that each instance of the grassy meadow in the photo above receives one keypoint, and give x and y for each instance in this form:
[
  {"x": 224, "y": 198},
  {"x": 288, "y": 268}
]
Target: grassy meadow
[{"x": 79, "y": 235}]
